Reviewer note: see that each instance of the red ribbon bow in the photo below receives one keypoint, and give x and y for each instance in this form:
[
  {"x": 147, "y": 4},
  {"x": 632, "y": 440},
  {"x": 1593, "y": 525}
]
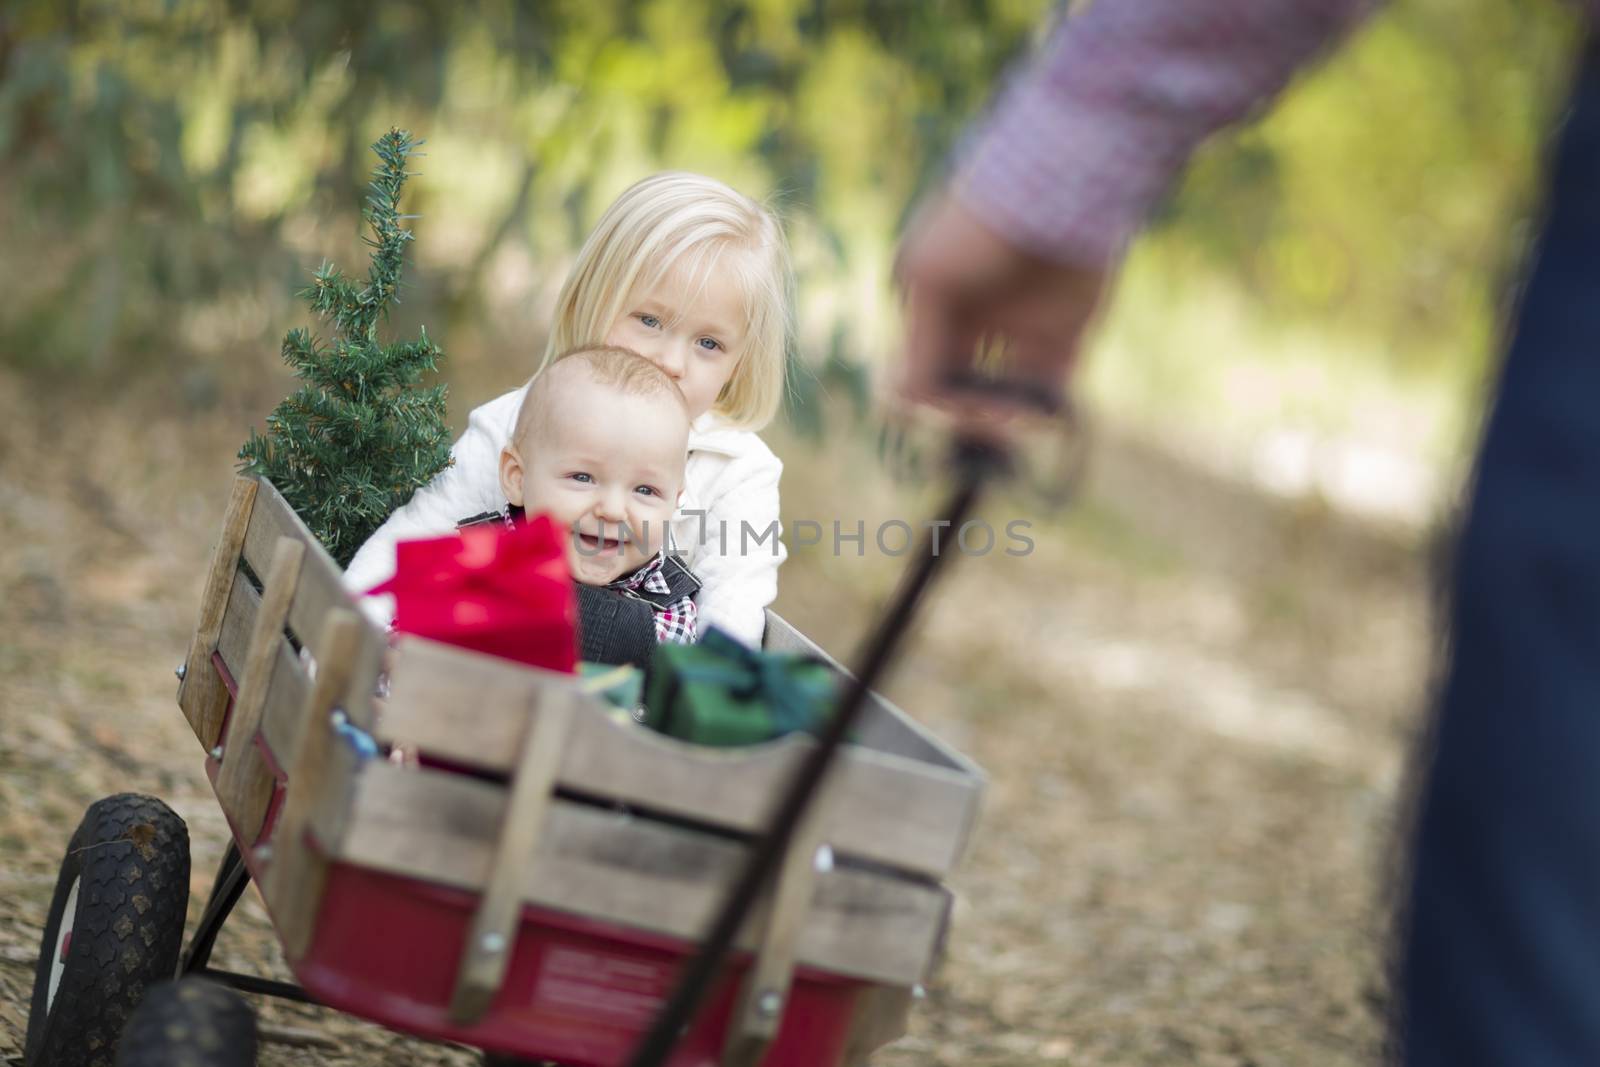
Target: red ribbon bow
[{"x": 503, "y": 591}]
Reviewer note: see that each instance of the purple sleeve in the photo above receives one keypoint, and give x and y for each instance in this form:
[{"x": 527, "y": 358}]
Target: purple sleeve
[{"x": 1084, "y": 140}]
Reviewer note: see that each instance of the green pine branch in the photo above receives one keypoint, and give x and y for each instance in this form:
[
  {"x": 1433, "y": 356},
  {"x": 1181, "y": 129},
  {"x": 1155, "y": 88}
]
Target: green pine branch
[{"x": 358, "y": 437}]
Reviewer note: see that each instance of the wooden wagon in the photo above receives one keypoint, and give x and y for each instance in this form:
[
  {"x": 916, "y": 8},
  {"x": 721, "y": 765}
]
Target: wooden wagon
[{"x": 531, "y": 888}]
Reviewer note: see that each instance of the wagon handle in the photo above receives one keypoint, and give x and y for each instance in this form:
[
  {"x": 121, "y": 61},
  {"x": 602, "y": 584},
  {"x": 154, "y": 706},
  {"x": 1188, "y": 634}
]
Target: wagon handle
[{"x": 974, "y": 461}]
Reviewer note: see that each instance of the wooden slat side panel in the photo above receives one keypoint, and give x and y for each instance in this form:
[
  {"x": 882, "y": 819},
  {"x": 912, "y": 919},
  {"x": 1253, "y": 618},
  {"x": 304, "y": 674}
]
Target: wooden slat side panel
[
  {"x": 881, "y": 808},
  {"x": 888, "y": 809},
  {"x": 202, "y": 694},
  {"x": 321, "y": 778},
  {"x": 234, "y": 640},
  {"x": 649, "y": 875},
  {"x": 426, "y": 680},
  {"x": 780, "y": 636},
  {"x": 205, "y": 703},
  {"x": 882, "y": 1015},
  {"x": 321, "y": 588},
  {"x": 366, "y": 663},
  {"x": 522, "y": 822},
  {"x": 439, "y": 668},
  {"x": 321, "y": 591},
  {"x": 244, "y": 782},
  {"x": 286, "y": 699},
  {"x": 883, "y": 726},
  {"x": 332, "y": 795},
  {"x": 286, "y": 695},
  {"x": 777, "y": 922}
]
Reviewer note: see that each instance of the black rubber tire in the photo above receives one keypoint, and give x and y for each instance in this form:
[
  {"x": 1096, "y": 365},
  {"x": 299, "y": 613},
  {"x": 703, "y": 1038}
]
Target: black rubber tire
[
  {"x": 130, "y": 861},
  {"x": 190, "y": 1023}
]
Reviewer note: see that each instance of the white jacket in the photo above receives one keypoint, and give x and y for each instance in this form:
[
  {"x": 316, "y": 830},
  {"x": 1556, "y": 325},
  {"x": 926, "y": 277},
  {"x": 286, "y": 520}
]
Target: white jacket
[{"x": 732, "y": 477}]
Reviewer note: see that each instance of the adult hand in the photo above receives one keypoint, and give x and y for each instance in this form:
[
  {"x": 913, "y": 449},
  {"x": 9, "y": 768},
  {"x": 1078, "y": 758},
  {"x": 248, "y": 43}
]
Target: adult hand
[{"x": 967, "y": 289}]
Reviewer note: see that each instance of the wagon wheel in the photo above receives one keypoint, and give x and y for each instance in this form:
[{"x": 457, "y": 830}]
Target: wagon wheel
[
  {"x": 115, "y": 928},
  {"x": 190, "y": 1023}
]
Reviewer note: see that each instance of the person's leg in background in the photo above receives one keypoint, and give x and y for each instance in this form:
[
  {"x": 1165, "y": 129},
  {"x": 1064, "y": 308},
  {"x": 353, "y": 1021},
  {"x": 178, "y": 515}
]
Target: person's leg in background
[{"x": 1501, "y": 953}]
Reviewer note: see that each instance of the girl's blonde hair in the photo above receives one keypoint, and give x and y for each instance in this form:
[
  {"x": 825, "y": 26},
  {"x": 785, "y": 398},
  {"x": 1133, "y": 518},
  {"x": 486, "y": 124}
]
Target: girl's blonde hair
[{"x": 673, "y": 219}]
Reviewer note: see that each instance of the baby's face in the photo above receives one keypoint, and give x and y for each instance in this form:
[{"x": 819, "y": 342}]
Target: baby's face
[{"x": 608, "y": 466}]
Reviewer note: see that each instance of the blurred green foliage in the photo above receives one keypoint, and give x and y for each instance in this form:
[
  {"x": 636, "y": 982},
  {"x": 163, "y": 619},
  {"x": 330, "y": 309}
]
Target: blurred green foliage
[
  {"x": 162, "y": 162},
  {"x": 1393, "y": 188},
  {"x": 169, "y": 167}
]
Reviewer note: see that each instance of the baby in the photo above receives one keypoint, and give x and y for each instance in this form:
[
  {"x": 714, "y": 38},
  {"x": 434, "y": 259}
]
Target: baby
[{"x": 600, "y": 445}]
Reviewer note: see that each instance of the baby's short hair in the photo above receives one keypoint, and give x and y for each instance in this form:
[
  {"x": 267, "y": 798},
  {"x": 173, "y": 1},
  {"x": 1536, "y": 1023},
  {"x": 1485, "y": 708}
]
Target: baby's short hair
[{"x": 612, "y": 366}]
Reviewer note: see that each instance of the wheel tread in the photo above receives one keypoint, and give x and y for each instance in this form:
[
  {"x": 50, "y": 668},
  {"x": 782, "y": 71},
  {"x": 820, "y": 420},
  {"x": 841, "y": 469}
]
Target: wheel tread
[
  {"x": 190, "y": 1023},
  {"x": 128, "y": 932}
]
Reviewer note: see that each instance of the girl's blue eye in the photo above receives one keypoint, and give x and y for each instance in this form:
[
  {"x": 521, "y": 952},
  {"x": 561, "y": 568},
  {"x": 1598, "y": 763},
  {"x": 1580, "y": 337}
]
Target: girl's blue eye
[
  {"x": 647, "y": 490},
  {"x": 710, "y": 344},
  {"x": 650, "y": 321},
  {"x": 580, "y": 476}
]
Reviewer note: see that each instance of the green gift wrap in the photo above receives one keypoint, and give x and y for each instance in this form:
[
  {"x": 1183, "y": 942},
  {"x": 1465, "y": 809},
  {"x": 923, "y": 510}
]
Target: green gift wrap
[
  {"x": 617, "y": 684},
  {"x": 718, "y": 692}
]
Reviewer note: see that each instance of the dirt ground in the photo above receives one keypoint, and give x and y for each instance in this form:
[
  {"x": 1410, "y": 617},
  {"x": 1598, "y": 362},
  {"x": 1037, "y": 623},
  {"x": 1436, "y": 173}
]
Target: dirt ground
[{"x": 1192, "y": 704}]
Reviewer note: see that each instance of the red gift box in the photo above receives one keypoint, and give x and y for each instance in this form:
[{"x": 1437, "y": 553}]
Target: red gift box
[{"x": 504, "y": 591}]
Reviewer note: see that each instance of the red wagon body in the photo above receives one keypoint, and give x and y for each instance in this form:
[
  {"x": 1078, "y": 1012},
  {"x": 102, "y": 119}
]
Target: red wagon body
[{"x": 581, "y": 992}]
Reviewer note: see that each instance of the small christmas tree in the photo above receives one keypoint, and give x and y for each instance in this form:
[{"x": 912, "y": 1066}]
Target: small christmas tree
[{"x": 356, "y": 440}]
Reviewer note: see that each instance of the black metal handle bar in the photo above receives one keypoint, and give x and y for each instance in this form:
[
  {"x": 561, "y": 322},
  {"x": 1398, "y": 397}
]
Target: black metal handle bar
[{"x": 975, "y": 462}]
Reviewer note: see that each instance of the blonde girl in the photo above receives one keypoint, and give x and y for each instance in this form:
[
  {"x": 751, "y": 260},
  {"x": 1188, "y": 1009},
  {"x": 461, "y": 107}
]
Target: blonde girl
[{"x": 695, "y": 277}]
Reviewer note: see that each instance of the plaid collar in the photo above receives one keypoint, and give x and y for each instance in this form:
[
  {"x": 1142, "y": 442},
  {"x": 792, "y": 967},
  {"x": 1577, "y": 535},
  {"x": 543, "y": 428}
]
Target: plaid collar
[
  {"x": 649, "y": 577},
  {"x": 676, "y": 621}
]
